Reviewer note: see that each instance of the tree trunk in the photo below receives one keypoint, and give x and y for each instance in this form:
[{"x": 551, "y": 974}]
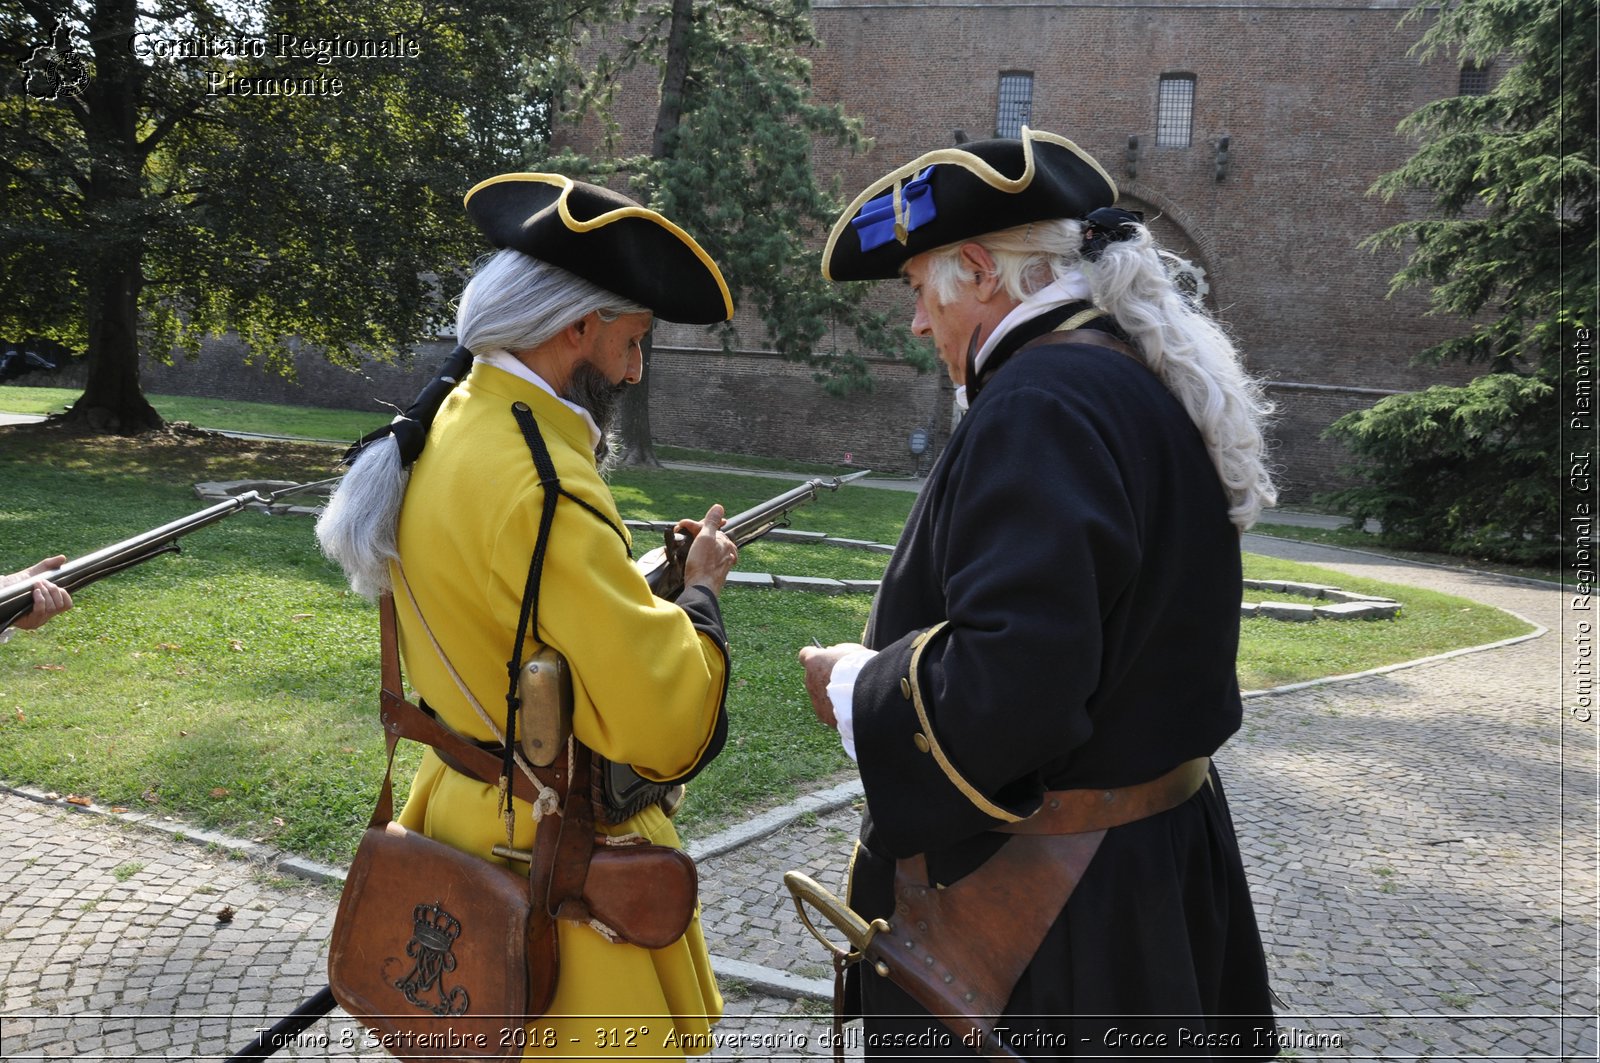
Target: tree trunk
[
  {"x": 673, "y": 77},
  {"x": 112, "y": 400},
  {"x": 638, "y": 446},
  {"x": 637, "y": 439}
]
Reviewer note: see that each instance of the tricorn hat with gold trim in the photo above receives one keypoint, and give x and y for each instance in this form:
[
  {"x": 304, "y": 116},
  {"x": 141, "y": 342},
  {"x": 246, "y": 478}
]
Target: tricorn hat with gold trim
[
  {"x": 606, "y": 238},
  {"x": 958, "y": 193}
]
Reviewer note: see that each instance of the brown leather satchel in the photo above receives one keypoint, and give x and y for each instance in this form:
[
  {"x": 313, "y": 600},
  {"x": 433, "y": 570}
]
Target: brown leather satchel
[
  {"x": 422, "y": 951},
  {"x": 637, "y": 892}
]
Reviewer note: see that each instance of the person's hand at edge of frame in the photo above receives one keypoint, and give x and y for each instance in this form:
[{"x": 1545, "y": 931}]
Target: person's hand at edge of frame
[{"x": 48, "y": 599}]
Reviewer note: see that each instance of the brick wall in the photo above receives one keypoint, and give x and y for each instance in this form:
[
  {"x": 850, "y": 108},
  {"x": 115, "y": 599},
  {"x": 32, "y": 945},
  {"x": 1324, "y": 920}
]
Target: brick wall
[
  {"x": 221, "y": 371},
  {"x": 1308, "y": 93},
  {"x": 1302, "y": 460},
  {"x": 761, "y": 403}
]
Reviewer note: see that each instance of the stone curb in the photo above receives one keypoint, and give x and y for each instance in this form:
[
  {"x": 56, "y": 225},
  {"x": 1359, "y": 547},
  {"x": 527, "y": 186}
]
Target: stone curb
[
  {"x": 297, "y": 866},
  {"x": 1348, "y": 605},
  {"x": 767, "y": 823},
  {"x": 774, "y": 820},
  {"x": 1539, "y": 631},
  {"x": 767, "y": 981},
  {"x": 1521, "y": 581}
]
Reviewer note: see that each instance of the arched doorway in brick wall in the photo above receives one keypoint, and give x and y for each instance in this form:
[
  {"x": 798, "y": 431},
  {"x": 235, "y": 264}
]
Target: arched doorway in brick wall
[{"x": 1190, "y": 262}]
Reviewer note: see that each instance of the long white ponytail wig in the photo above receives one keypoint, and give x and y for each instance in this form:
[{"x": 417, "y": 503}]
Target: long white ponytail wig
[
  {"x": 1176, "y": 339},
  {"x": 513, "y": 302}
]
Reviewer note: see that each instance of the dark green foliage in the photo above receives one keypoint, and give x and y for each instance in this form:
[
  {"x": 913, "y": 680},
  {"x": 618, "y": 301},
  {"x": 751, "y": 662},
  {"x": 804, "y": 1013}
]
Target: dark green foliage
[
  {"x": 1511, "y": 249},
  {"x": 1469, "y": 470},
  {"x": 736, "y": 170},
  {"x": 155, "y": 208}
]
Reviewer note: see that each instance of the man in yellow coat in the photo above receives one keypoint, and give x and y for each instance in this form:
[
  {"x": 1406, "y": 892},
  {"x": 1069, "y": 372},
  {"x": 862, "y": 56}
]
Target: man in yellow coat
[{"x": 443, "y": 508}]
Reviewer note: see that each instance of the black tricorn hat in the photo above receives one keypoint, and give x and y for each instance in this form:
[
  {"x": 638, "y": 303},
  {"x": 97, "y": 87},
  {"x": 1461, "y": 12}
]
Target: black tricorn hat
[
  {"x": 954, "y": 194},
  {"x": 606, "y": 238}
]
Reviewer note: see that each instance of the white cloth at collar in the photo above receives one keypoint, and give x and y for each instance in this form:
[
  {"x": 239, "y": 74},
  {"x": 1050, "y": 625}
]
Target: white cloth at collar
[
  {"x": 504, "y": 360},
  {"x": 1071, "y": 288}
]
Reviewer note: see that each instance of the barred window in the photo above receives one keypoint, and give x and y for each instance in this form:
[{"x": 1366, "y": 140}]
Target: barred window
[
  {"x": 1175, "y": 111},
  {"x": 1016, "y": 104},
  {"x": 1474, "y": 80}
]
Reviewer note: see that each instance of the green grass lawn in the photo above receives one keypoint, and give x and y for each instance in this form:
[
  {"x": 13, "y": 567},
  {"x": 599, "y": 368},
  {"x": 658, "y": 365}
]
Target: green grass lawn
[
  {"x": 1274, "y": 652},
  {"x": 307, "y": 422},
  {"x": 233, "y": 685}
]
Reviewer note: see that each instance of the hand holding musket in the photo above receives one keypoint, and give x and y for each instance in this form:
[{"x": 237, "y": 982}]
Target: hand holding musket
[
  {"x": 17, "y": 599},
  {"x": 47, "y": 599},
  {"x": 663, "y": 567}
]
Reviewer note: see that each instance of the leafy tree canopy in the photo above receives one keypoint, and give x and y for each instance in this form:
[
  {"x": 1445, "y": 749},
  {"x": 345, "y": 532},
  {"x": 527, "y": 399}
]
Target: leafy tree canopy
[
  {"x": 185, "y": 188},
  {"x": 1512, "y": 179}
]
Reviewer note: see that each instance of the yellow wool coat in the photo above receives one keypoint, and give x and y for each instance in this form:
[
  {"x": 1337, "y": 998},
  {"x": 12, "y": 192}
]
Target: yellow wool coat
[{"x": 648, "y": 686}]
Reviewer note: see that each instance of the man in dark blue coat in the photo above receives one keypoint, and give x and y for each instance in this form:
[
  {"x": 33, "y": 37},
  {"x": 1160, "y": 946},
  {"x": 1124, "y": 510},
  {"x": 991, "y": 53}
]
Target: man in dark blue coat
[{"x": 1052, "y": 652}]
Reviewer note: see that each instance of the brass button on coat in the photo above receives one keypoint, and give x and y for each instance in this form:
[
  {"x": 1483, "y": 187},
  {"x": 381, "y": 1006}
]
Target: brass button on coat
[
  {"x": 905, "y": 688},
  {"x": 920, "y": 740}
]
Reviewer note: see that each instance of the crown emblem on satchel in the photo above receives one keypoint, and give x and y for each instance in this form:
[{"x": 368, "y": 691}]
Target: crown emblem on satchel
[{"x": 434, "y": 932}]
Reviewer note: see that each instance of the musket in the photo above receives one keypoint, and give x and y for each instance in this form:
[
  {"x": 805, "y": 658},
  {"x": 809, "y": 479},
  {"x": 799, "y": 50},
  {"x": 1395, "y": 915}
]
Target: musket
[
  {"x": 663, "y": 566},
  {"x": 16, "y": 599}
]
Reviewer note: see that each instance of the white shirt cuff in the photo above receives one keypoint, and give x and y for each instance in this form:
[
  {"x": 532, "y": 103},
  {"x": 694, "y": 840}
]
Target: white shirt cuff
[{"x": 841, "y": 691}]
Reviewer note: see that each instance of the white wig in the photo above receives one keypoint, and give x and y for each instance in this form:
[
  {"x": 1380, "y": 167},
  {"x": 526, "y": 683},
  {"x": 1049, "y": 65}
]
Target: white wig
[
  {"x": 513, "y": 302},
  {"x": 1176, "y": 339}
]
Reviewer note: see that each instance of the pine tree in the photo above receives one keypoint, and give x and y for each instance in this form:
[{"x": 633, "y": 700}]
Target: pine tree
[
  {"x": 731, "y": 162},
  {"x": 1510, "y": 250}
]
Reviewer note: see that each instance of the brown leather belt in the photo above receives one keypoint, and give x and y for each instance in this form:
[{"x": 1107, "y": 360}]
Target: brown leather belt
[
  {"x": 460, "y": 754},
  {"x": 1082, "y": 811}
]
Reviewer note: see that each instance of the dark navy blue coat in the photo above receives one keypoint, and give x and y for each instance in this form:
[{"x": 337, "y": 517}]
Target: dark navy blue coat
[{"x": 1062, "y": 611}]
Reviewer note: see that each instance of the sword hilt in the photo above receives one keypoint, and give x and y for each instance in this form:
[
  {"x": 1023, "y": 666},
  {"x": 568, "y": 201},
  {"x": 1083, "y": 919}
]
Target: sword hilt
[{"x": 859, "y": 932}]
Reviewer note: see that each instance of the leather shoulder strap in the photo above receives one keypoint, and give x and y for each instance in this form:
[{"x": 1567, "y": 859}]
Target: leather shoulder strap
[
  {"x": 403, "y": 719},
  {"x": 1092, "y": 337}
]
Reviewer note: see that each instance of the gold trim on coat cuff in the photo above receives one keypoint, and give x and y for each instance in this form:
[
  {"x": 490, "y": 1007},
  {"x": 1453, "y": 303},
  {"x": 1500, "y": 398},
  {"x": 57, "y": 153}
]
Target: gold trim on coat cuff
[{"x": 970, "y": 792}]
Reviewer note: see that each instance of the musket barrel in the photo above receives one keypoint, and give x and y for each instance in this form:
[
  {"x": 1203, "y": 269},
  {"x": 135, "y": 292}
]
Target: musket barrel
[
  {"x": 772, "y": 509},
  {"x": 17, "y": 598},
  {"x": 666, "y": 581}
]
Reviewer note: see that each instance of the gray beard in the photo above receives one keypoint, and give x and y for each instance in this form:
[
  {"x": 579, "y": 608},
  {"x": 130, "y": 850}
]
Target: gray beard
[{"x": 588, "y": 387}]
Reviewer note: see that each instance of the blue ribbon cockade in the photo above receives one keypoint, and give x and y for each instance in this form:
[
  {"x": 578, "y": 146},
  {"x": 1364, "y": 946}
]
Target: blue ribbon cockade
[{"x": 875, "y": 222}]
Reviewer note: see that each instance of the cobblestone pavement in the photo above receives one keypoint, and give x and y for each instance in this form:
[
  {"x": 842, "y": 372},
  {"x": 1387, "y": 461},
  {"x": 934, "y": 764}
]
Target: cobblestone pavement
[
  {"x": 1421, "y": 842},
  {"x": 1421, "y": 845}
]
